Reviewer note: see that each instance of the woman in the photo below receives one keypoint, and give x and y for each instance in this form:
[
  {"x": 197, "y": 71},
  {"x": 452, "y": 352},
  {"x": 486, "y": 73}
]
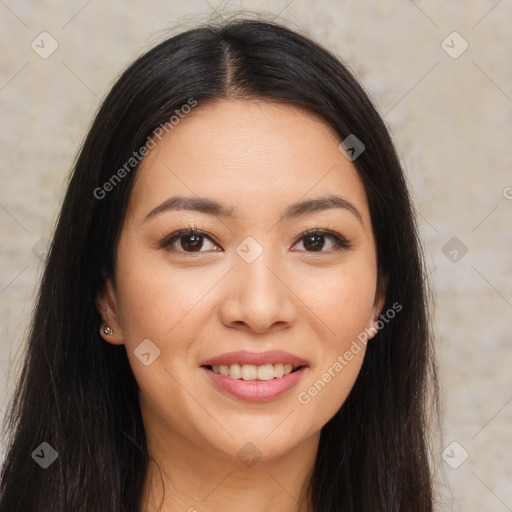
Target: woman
[{"x": 233, "y": 309}]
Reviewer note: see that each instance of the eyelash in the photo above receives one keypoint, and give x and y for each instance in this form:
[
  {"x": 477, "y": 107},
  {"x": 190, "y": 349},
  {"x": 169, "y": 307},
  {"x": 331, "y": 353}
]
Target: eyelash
[{"x": 339, "y": 241}]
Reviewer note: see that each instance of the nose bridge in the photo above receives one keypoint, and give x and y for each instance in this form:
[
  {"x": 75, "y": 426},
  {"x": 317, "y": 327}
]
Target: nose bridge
[
  {"x": 257, "y": 267},
  {"x": 257, "y": 294}
]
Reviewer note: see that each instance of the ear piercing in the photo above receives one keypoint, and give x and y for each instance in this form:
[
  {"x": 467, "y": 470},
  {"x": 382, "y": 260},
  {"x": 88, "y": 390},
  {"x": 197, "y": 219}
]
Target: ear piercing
[{"x": 108, "y": 330}]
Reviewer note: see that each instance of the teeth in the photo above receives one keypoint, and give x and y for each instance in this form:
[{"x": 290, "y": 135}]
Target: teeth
[
  {"x": 253, "y": 372},
  {"x": 265, "y": 372}
]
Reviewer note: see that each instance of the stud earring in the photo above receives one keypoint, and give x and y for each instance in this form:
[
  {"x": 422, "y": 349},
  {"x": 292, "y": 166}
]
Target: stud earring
[{"x": 108, "y": 330}]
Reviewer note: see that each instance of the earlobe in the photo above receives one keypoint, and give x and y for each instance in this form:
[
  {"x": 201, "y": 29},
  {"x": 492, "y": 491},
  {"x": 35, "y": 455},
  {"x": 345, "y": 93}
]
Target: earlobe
[
  {"x": 106, "y": 304},
  {"x": 380, "y": 295},
  {"x": 108, "y": 330},
  {"x": 378, "y": 305}
]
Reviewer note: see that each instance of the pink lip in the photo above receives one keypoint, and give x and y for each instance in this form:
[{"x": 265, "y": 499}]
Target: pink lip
[
  {"x": 256, "y": 358},
  {"x": 256, "y": 390}
]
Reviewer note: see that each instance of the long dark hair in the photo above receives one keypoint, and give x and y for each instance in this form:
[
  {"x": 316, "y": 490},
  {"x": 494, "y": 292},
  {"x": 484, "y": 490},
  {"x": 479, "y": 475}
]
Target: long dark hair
[{"x": 78, "y": 393}]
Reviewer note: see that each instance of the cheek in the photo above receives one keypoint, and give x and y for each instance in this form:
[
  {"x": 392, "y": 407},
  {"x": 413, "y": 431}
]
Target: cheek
[
  {"x": 163, "y": 305},
  {"x": 343, "y": 300},
  {"x": 156, "y": 300},
  {"x": 342, "y": 306}
]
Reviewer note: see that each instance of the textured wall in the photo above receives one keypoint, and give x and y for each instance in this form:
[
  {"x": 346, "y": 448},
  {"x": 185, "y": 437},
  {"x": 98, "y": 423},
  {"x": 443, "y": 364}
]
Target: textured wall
[{"x": 449, "y": 109}]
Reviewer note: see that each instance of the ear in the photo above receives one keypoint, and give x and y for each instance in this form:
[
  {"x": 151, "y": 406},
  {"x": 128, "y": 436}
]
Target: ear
[
  {"x": 378, "y": 304},
  {"x": 106, "y": 303}
]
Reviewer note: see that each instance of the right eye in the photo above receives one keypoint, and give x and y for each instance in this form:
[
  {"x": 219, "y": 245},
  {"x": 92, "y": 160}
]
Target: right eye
[{"x": 186, "y": 240}]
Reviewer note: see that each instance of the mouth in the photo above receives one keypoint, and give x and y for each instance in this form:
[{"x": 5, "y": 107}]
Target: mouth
[
  {"x": 255, "y": 376},
  {"x": 243, "y": 382},
  {"x": 251, "y": 372}
]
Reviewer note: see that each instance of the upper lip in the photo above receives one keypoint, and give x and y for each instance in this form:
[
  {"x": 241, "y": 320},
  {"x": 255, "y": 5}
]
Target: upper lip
[{"x": 256, "y": 358}]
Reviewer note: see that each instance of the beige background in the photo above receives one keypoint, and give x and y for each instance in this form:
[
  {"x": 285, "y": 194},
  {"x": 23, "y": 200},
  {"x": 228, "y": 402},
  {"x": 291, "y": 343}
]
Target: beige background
[{"x": 450, "y": 117}]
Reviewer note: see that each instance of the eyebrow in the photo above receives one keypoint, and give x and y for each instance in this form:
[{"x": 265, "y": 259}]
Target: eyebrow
[{"x": 212, "y": 207}]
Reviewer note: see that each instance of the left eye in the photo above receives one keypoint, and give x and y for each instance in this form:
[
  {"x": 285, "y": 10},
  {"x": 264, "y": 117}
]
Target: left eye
[{"x": 314, "y": 240}]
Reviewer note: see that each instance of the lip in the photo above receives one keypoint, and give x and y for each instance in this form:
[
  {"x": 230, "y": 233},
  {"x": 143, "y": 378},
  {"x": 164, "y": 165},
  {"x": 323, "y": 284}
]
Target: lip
[
  {"x": 256, "y": 390},
  {"x": 256, "y": 358}
]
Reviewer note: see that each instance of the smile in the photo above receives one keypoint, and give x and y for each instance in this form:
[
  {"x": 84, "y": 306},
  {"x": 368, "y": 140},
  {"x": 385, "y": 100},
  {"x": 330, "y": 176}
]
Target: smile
[{"x": 253, "y": 372}]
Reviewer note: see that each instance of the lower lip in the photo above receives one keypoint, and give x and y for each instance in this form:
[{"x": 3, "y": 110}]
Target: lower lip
[{"x": 256, "y": 390}]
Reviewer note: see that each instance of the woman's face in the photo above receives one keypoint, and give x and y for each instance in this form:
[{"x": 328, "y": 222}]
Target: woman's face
[{"x": 249, "y": 282}]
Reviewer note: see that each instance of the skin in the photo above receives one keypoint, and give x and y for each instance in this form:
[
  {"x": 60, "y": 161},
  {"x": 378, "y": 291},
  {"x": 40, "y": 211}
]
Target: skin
[{"x": 257, "y": 157}]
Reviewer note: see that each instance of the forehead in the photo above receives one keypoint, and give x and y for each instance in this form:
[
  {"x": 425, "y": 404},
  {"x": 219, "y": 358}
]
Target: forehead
[{"x": 248, "y": 154}]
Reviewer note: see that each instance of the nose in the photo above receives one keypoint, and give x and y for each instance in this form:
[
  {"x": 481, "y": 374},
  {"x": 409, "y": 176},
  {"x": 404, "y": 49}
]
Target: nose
[{"x": 257, "y": 297}]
